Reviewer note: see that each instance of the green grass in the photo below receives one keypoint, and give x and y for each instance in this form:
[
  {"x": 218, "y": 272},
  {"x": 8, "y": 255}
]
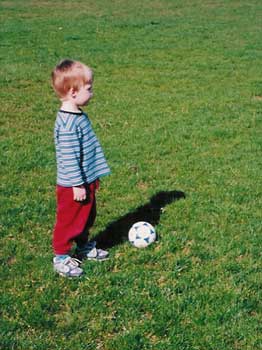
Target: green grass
[{"x": 177, "y": 107}]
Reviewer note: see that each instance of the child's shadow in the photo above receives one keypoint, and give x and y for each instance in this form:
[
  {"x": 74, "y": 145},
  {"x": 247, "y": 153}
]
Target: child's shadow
[{"x": 117, "y": 231}]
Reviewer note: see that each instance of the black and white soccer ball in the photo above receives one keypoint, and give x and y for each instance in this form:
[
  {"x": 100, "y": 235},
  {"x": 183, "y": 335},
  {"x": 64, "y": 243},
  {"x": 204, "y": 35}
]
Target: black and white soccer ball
[{"x": 141, "y": 234}]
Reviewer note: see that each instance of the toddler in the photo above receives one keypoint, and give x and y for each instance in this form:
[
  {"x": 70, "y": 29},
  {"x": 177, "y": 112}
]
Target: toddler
[{"x": 80, "y": 164}]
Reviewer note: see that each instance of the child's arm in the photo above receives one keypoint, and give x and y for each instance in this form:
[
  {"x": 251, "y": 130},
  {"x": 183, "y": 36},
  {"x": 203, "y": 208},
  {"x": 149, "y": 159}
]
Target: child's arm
[{"x": 70, "y": 150}]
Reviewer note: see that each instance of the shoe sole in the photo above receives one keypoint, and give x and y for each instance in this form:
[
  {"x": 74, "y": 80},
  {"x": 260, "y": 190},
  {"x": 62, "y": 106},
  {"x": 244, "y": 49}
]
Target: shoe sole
[
  {"x": 67, "y": 276},
  {"x": 96, "y": 259}
]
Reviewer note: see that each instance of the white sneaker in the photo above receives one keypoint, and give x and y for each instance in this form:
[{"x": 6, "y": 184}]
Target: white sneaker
[
  {"x": 90, "y": 252},
  {"x": 68, "y": 267}
]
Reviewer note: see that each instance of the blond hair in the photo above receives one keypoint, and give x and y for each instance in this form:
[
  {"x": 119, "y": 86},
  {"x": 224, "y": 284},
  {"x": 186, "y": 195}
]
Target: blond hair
[{"x": 69, "y": 74}]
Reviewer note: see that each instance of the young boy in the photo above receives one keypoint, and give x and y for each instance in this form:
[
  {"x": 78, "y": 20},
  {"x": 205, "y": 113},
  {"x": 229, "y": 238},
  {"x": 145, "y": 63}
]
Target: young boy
[{"x": 80, "y": 164}]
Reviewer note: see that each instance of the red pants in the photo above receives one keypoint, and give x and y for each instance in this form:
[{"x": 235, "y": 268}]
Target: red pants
[{"x": 73, "y": 219}]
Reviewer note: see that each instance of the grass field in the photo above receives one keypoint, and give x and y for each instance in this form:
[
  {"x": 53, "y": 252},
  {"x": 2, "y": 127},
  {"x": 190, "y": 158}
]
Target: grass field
[{"x": 177, "y": 108}]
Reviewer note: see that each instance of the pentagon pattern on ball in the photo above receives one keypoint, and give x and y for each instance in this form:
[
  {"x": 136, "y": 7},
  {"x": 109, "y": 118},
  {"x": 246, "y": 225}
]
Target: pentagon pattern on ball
[{"x": 141, "y": 234}]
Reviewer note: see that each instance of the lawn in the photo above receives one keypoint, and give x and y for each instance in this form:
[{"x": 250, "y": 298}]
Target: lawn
[{"x": 177, "y": 108}]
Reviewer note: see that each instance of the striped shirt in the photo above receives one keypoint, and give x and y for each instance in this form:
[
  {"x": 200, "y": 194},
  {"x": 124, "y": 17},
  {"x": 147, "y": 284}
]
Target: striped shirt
[{"x": 79, "y": 156}]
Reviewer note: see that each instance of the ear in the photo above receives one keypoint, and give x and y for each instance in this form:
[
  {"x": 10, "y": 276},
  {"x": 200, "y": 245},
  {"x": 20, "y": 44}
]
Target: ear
[{"x": 73, "y": 92}]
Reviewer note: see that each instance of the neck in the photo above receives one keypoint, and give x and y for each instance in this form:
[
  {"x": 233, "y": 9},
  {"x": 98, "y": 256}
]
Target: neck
[{"x": 69, "y": 106}]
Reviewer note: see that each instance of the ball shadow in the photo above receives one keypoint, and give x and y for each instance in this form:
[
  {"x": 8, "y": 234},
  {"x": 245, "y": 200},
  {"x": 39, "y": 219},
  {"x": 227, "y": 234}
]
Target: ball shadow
[{"x": 117, "y": 231}]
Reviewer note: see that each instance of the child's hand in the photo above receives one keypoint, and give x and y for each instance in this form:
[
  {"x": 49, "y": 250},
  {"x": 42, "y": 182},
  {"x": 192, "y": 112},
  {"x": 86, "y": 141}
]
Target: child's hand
[{"x": 79, "y": 193}]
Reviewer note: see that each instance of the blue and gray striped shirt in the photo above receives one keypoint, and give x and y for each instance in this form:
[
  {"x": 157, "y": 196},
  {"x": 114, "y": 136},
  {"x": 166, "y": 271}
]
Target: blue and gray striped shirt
[{"x": 79, "y": 156}]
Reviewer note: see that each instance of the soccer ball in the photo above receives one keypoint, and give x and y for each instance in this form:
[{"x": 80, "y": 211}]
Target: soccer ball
[{"x": 141, "y": 234}]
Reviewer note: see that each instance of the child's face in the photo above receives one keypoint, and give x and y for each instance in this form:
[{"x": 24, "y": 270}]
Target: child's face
[{"x": 83, "y": 95}]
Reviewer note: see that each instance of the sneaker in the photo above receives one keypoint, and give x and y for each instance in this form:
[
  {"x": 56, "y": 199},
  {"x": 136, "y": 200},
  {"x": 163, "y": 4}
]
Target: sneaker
[
  {"x": 68, "y": 267},
  {"x": 90, "y": 252}
]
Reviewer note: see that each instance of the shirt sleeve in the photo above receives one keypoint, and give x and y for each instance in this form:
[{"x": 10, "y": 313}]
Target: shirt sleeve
[{"x": 70, "y": 155}]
